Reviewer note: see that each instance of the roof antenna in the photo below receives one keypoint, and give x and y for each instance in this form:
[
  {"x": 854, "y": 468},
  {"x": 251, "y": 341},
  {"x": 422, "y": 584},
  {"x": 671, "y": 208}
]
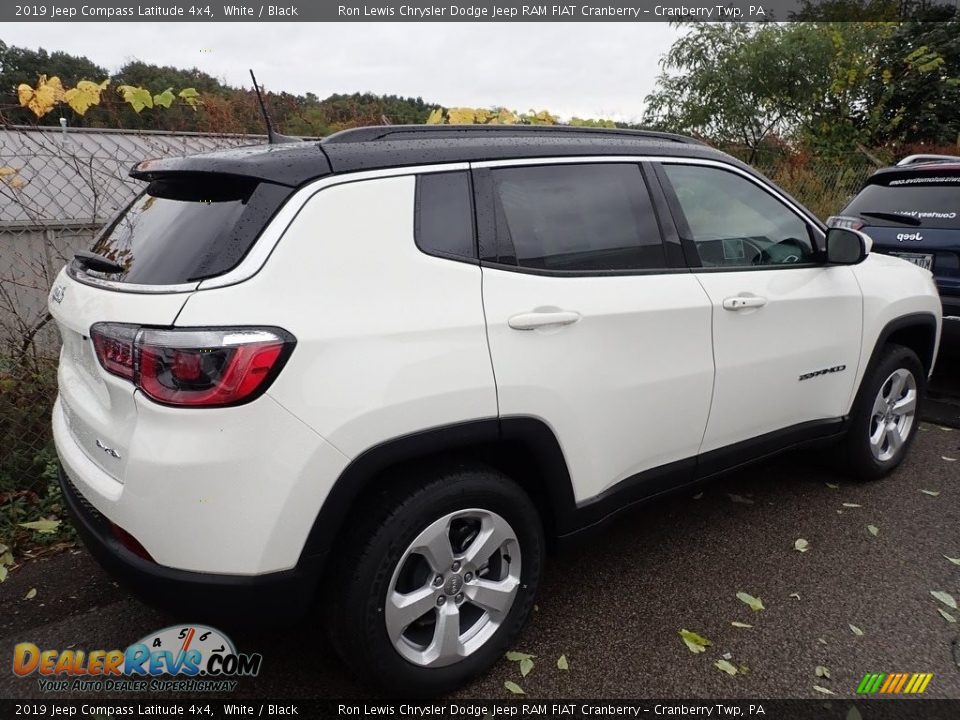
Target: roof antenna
[{"x": 273, "y": 137}]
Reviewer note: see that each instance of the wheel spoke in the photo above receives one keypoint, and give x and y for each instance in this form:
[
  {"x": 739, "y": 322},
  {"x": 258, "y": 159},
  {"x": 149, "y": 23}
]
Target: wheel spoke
[
  {"x": 434, "y": 546},
  {"x": 907, "y": 404},
  {"x": 876, "y": 439},
  {"x": 896, "y": 386},
  {"x": 894, "y": 441},
  {"x": 494, "y": 532},
  {"x": 494, "y": 597},
  {"x": 446, "y": 636},
  {"x": 880, "y": 404},
  {"x": 403, "y": 608}
]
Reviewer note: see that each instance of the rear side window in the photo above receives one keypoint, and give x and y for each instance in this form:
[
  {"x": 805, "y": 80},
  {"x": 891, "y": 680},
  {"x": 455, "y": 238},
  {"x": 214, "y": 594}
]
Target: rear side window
[
  {"x": 576, "y": 218},
  {"x": 443, "y": 221},
  {"x": 186, "y": 229},
  {"x": 932, "y": 198}
]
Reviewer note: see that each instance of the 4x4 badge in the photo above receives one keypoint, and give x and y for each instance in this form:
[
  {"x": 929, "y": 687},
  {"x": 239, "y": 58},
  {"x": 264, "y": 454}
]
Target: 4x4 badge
[
  {"x": 827, "y": 371},
  {"x": 58, "y": 293}
]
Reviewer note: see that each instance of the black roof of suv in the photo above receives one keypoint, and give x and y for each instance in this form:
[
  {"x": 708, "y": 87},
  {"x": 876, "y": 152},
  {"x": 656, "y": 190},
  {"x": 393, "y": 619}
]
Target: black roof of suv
[{"x": 388, "y": 146}]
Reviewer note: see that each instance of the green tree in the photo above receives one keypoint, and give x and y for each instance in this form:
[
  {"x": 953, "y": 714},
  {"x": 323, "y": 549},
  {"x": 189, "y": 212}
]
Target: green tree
[
  {"x": 746, "y": 84},
  {"x": 917, "y": 94}
]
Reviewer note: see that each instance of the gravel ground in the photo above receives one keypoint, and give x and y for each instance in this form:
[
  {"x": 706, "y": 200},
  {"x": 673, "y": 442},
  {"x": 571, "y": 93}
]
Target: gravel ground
[{"x": 614, "y": 606}]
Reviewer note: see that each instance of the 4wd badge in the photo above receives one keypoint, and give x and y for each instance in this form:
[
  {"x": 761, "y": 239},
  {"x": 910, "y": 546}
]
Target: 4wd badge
[{"x": 58, "y": 293}]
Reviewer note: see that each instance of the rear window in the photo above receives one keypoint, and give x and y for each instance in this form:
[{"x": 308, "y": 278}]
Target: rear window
[
  {"x": 186, "y": 229},
  {"x": 933, "y": 199}
]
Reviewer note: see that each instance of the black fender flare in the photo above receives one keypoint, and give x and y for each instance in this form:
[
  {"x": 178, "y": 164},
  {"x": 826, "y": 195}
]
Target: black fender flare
[{"x": 535, "y": 435}]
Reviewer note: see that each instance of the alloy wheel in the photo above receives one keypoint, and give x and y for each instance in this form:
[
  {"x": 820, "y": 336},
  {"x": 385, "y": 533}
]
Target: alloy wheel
[
  {"x": 894, "y": 412},
  {"x": 453, "y": 587}
]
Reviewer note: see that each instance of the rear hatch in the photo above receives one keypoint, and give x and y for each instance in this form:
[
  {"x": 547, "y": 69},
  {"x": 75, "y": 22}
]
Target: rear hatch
[
  {"x": 914, "y": 213},
  {"x": 182, "y": 229}
]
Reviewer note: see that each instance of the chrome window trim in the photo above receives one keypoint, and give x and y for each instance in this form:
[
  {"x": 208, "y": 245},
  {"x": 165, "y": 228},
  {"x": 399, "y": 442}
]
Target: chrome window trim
[
  {"x": 258, "y": 255},
  {"x": 261, "y": 250},
  {"x": 807, "y": 216}
]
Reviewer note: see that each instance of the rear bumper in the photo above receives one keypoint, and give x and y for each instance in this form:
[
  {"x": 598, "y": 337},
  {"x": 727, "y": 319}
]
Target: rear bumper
[{"x": 273, "y": 598}]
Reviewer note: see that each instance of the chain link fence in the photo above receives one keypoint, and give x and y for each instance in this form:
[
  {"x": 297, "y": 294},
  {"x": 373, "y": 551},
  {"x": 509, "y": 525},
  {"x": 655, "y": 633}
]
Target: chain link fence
[{"x": 58, "y": 187}]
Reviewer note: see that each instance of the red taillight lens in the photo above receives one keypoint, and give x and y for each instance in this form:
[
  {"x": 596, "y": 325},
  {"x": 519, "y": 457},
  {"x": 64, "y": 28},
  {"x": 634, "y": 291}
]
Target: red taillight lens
[
  {"x": 197, "y": 368},
  {"x": 114, "y": 345}
]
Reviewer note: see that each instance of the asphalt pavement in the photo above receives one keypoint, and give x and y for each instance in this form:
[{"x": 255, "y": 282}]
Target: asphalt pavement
[{"x": 614, "y": 606}]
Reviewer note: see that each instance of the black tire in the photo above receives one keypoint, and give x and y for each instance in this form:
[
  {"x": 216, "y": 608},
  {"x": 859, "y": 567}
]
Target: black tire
[
  {"x": 370, "y": 552},
  {"x": 856, "y": 454}
]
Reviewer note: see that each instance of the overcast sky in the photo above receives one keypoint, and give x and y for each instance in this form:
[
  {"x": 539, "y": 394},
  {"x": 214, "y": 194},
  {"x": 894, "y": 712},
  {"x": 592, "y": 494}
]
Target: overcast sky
[{"x": 583, "y": 69}]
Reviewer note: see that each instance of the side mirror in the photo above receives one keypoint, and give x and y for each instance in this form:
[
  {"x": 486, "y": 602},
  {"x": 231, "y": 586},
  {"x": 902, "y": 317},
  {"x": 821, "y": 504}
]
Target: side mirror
[{"x": 846, "y": 247}]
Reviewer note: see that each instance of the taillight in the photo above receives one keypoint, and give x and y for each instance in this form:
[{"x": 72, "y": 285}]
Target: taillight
[
  {"x": 193, "y": 367},
  {"x": 114, "y": 346},
  {"x": 845, "y": 221}
]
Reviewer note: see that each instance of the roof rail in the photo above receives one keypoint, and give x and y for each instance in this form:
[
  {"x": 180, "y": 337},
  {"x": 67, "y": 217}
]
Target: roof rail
[
  {"x": 920, "y": 159},
  {"x": 419, "y": 132}
]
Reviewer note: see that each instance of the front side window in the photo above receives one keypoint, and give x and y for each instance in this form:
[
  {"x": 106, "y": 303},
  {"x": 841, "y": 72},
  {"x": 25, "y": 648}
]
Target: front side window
[
  {"x": 576, "y": 218},
  {"x": 734, "y": 223}
]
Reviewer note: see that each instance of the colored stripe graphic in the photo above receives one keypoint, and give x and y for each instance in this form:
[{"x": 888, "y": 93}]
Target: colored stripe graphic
[{"x": 894, "y": 683}]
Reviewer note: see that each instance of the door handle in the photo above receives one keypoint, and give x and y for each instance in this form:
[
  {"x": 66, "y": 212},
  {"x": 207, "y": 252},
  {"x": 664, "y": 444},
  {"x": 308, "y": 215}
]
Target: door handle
[
  {"x": 740, "y": 302},
  {"x": 534, "y": 320}
]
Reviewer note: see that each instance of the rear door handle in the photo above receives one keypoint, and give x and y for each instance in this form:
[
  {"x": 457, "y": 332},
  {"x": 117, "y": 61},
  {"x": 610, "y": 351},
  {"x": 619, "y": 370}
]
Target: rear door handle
[
  {"x": 534, "y": 320},
  {"x": 742, "y": 303}
]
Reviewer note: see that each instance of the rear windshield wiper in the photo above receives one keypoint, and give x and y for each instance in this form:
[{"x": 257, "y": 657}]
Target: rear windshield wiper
[
  {"x": 892, "y": 217},
  {"x": 99, "y": 263}
]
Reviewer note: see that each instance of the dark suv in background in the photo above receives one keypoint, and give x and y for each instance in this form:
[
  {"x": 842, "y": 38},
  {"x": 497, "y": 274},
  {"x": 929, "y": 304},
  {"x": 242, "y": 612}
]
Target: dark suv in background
[{"x": 912, "y": 210}]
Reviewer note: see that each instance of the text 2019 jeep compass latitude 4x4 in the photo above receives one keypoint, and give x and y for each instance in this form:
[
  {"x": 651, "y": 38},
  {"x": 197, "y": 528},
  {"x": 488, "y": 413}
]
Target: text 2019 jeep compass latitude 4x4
[{"x": 390, "y": 368}]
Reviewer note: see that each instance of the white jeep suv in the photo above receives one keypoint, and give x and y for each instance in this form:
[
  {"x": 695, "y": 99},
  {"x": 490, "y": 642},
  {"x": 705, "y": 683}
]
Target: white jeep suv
[{"x": 390, "y": 369}]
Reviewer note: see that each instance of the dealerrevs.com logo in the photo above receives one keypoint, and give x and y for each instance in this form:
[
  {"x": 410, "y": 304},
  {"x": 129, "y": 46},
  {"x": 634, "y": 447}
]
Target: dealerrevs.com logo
[{"x": 190, "y": 658}]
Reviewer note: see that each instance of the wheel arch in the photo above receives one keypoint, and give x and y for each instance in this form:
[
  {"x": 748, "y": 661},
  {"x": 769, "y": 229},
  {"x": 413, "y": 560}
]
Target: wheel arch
[
  {"x": 523, "y": 448},
  {"x": 917, "y": 331}
]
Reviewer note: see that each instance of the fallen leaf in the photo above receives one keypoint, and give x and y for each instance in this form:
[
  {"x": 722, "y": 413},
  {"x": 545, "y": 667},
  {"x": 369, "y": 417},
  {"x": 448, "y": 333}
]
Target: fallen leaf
[
  {"x": 832, "y": 486},
  {"x": 31, "y": 594},
  {"x": 44, "y": 527},
  {"x": 562, "y": 663},
  {"x": 526, "y": 665},
  {"x": 856, "y": 631},
  {"x": 873, "y": 530},
  {"x": 823, "y": 690},
  {"x": 726, "y": 667},
  {"x": 513, "y": 687},
  {"x": 795, "y": 595},
  {"x": 514, "y": 656},
  {"x": 3, "y": 573},
  {"x": 756, "y": 604},
  {"x": 743, "y": 669},
  {"x": 854, "y": 714},
  {"x": 946, "y": 616},
  {"x": 737, "y": 624},
  {"x": 740, "y": 499},
  {"x": 696, "y": 643},
  {"x": 948, "y": 459},
  {"x": 945, "y": 598},
  {"x": 955, "y": 561},
  {"x": 822, "y": 672},
  {"x": 852, "y": 505},
  {"x": 931, "y": 493},
  {"x": 821, "y": 641},
  {"x": 801, "y": 545},
  {"x": 698, "y": 496}
]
